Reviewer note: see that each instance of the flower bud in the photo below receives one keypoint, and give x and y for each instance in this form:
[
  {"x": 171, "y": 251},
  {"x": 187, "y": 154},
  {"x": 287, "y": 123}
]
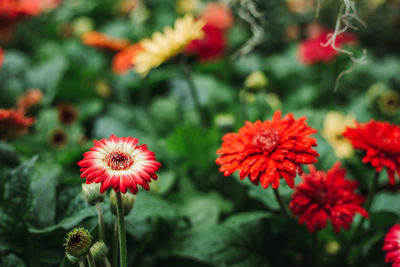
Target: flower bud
[
  {"x": 389, "y": 103},
  {"x": 78, "y": 242},
  {"x": 91, "y": 193},
  {"x": 256, "y": 80},
  {"x": 128, "y": 200},
  {"x": 99, "y": 250},
  {"x": 332, "y": 247},
  {"x": 224, "y": 121},
  {"x": 82, "y": 25}
]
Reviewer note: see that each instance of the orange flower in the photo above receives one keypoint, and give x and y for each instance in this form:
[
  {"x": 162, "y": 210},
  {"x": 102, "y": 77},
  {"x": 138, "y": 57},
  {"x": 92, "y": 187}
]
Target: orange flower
[
  {"x": 103, "y": 41},
  {"x": 14, "y": 123},
  {"x": 123, "y": 60},
  {"x": 29, "y": 99},
  {"x": 1, "y": 57},
  {"x": 218, "y": 15}
]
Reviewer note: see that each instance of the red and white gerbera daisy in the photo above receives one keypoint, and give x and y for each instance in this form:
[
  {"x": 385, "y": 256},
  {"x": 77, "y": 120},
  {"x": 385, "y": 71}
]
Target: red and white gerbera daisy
[
  {"x": 119, "y": 163},
  {"x": 268, "y": 151},
  {"x": 391, "y": 245}
]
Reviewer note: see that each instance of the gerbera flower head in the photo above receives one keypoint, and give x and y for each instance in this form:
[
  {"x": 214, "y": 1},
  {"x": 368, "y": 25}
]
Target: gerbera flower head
[
  {"x": 163, "y": 46},
  {"x": 103, "y": 41},
  {"x": 123, "y": 60},
  {"x": 334, "y": 125},
  {"x": 218, "y": 15},
  {"x": 312, "y": 51},
  {"x": 381, "y": 141},
  {"x": 67, "y": 113},
  {"x": 118, "y": 162},
  {"x": 14, "y": 122},
  {"x": 391, "y": 245},
  {"x": 326, "y": 196},
  {"x": 210, "y": 47},
  {"x": 267, "y": 151}
]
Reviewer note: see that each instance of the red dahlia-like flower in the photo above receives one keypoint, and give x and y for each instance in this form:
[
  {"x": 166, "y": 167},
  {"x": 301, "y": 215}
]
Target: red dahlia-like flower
[
  {"x": 103, "y": 41},
  {"x": 267, "y": 151},
  {"x": 14, "y": 123},
  {"x": 391, "y": 244},
  {"x": 312, "y": 51},
  {"x": 123, "y": 60},
  {"x": 119, "y": 163},
  {"x": 210, "y": 47},
  {"x": 326, "y": 196},
  {"x": 381, "y": 141}
]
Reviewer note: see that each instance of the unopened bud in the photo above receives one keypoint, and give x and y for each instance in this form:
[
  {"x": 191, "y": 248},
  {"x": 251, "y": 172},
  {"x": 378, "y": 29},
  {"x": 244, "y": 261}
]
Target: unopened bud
[
  {"x": 256, "y": 80},
  {"x": 332, "y": 247},
  {"x": 91, "y": 193},
  {"x": 128, "y": 200},
  {"x": 99, "y": 250},
  {"x": 74, "y": 259},
  {"x": 78, "y": 242}
]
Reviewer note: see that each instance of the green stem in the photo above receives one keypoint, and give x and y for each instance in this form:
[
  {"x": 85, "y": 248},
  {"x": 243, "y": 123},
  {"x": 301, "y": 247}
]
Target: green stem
[
  {"x": 90, "y": 259},
  {"x": 193, "y": 90},
  {"x": 100, "y": 218},
  {"x": 121, "y": 231},
  {"x": 368, "y": 203},
  {"x": 115, "y": 246},
  {"x": 81, "y": 264},
  {"x": 284, "y": 211},
  {"x": 106, "y": 262}
]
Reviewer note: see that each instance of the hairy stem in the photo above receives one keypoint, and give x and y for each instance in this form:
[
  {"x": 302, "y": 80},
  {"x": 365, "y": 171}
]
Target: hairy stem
[
  {"x": 90, "y": 259},
  {"x": 121, "y": 232},
  {"x": 100, "y": 218}
]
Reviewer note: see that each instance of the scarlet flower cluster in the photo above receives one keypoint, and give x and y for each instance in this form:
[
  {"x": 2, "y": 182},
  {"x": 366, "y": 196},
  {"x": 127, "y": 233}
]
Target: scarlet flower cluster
[
  {"x": 313, "y": 50},
  {"x": 391, "y": 245},
  {"x": 326, "y": 196},
  {"x": 14, "y": 123}
]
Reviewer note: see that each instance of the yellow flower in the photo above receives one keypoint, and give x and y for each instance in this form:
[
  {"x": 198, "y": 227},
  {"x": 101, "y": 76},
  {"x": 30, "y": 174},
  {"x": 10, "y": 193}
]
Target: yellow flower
[
  {"x": 163, "y": 46},
  {"x": 256, "y": 80},
  {"x": 334, "y": 125}
]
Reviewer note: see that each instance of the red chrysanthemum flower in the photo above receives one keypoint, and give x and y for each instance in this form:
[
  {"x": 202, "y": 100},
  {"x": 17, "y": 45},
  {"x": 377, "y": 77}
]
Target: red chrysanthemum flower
[
  {"x": 218, "y": 15},
  {"x": 391, "y": 244},
  {"x": 123, "y": 60},
  {"x": 326, "y": 196},
  {"x": 210, "y": 47},
  {"x": 267, "y": 151},
  {"x": 119, "y": 163},
  {"x": 103, "y": 41},
  {"x": 381, "y": 141},
  {"x": 312, "y": 51},
  {"x": 14, "y": 123}
]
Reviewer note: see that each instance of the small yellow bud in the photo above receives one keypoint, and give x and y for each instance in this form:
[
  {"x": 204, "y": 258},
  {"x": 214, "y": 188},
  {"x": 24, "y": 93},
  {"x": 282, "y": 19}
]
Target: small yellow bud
[
  {"x": 332, "y": 247},
  {"x": 256, "y": 80},
  {"x": 99, "y": 250},
  {"x": 82, "y": 25}
]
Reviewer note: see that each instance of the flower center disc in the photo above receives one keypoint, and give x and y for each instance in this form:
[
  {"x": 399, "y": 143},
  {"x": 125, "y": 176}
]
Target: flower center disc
[
  {"x": 119, "y": 161},
  {"x": 266, "y": 140}
]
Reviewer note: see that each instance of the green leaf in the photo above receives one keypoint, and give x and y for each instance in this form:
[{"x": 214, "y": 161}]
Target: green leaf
[
  {"x": 13, "y": 261},
  {"x": 66, "y": 223},
  {"x": 46, "y": 77},
  {"x": 245, "y": 218},
  {"x": 386, "y": 202}
]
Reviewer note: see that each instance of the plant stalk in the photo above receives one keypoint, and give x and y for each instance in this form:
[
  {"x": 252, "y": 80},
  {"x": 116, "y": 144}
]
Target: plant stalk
[
  {"x": 115, "y": 245},
  {"x": 284, "y": 211},
  {"x": 121, "y": 231},
  {"x": 90, "y": 259},
  {"x": 100, "y": 218}
]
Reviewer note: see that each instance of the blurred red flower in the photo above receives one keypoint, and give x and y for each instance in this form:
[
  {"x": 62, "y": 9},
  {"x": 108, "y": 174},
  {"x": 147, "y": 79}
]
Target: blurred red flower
[
  {"x": 312, "y": 51},
  {"x": 267, "y": 151},
  {"x": 326, "y": 196},
  {"x": 1, "y": 57},
  {"x": 30, "y": 99},
  {"x": 123, "y": 60},
  {"x": 11, "y": 11},
  {"x": 119, "y": 163},
  {"x": 218, "y": 15},
  {"x": 14, "y": 123},
  {"x": 381, "y": 141},
  {"x": 103, "y": 41},
  {"x": 391, "y": 245},
  {"x": 210, "y": 47}
]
